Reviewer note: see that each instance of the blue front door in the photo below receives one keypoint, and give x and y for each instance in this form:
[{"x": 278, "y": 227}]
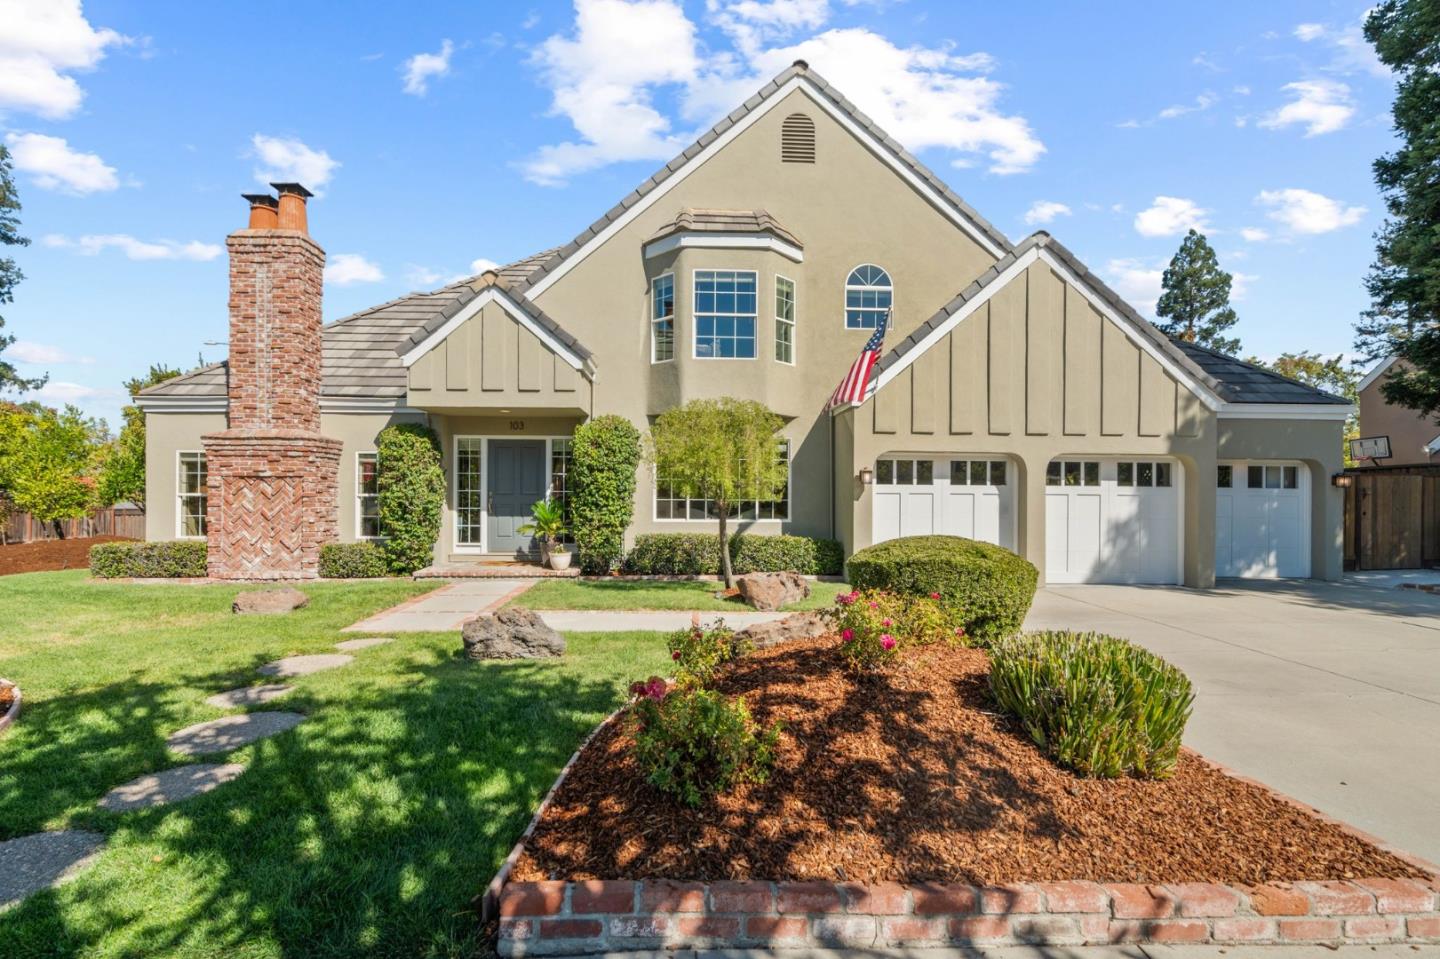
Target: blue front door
[{"x": 517, "y": 481}]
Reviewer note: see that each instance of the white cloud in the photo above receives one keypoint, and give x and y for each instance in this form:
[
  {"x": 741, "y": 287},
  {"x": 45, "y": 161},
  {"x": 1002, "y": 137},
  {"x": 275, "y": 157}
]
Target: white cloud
[
  {"x": 481, "y": 264},
  {"x": 1322, "y": 106},
  {"x": 92, "y": 244},
  {"x": 1350, "y": 51},
  {"x": 1203, "y": 102},
  {"x": 58, "y": 393},
  {"x": 422, "y": 276},
  {"x": 1137, "y": 281},
  {"x": 1306, "y": 32},
  {"x": 27, "y": 352},
  {"x": 1171, "y": 216},
  {"x": 1241, "y": 90},
  {"x": 56, "y": 166},
  {"x": 1201, "y": 60},
  {"x": 422, "y": 66},
  {"x": 1045, "y": 211},
  {"x": 605, "y": 76},
  {"x": 1253, "y": 234},
  {"x": 287, "y": 160},
  {"x": 343, "y": 269},
  {"x": 1307, "y": 212},
  {"x": 41, "y": 43}
]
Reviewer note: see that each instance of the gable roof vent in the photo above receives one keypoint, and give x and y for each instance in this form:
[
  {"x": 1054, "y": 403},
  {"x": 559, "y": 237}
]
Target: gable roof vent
[{"x": 797, "y": 139}]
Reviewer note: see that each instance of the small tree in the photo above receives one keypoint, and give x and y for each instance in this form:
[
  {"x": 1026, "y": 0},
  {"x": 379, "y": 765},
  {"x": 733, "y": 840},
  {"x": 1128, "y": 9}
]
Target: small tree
[
  {"x": 122, "y": 475},
  {"x": 48, "y": 457},
  {"x": 1196, "y": 301},
  {"x": 410, "y": 481},
  {"x": 724, "y": 451},
  {"x": 603, "y": 460}
]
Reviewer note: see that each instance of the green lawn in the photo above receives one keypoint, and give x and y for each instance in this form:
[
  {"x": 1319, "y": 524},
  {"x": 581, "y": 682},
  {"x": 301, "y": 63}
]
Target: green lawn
[
  {"x": 651, "y": 594},
  {"x": 366, "y": 831}
]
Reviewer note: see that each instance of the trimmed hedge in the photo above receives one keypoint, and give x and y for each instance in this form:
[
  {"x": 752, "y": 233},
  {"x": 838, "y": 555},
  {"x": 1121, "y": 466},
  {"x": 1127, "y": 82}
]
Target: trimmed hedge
[
  {"x": 410, "y": 480},
  {"x": 353, "y": 561},
  {"x": 1100, "y": 705},
  {"x": 698, "y": 554},
  {"x": 167, "y": 560},
  {"x": 988, "y": 588},
  {"x": 603, "y": 460}
]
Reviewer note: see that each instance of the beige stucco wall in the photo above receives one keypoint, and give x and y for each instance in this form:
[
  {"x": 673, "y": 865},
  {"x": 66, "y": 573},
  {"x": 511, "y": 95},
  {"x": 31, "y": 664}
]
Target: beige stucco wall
[
  {"x": 1035, "y": 374},
  {"x": 1409, "y": 432}
]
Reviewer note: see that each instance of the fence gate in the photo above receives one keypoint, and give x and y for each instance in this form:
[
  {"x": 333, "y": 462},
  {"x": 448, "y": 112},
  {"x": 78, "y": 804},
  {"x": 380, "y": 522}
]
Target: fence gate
[{"x": 1392, "y": 518}]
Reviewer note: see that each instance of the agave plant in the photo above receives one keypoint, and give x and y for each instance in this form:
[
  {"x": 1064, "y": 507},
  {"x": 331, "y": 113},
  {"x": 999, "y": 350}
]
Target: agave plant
[{"x": 548, "y": 523}]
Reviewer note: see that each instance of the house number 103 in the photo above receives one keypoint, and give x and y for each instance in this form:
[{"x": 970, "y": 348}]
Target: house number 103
[{"x": 517, "y": 426}]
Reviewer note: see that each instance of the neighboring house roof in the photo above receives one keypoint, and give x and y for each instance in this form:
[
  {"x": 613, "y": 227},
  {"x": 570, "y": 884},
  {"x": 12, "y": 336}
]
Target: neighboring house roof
[
  {"x": 1227, "y": 379},
  {"x": 725, "y": 221},
  {"x": 1376, "y": 372}
]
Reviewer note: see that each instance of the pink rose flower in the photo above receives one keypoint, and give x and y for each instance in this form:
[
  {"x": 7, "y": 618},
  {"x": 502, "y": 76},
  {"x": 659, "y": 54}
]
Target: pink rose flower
[
  {"x": 675, "y": 655},
  {"x": 874, "y": 605},
  {"x": 847, "y": 635},
  {"x": 934, "y": 595},
  {"x": 959, "y": 630},
  {"x": 887, "y": 622},
  {"x": 887, "y": 642}
]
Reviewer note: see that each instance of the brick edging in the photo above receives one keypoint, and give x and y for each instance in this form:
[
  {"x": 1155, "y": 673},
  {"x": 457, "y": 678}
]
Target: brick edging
[{"x": 13, "y": 713}]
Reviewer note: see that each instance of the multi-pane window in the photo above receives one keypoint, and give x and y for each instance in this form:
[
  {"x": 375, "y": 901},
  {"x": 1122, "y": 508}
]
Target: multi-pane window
[
  {"x": 904, "y": 472},
  {"x": 662, "y": 319},
  {"x": 1072, "y": 473},
  {"x": 560, "y": 456},
  {"x": 1143, "y": 474},
  {"x": 469, "y": 498},
  {"x": 1273, "y": 477},
  {"x": 670, "y": 504},
  {"x": 784, "y": 320},
  {"x": 192, "y": 496},
  {"x": 725, "y": 310},
  {"x": 977, "y": 472},
  {"x": 868, "y": 297},
  {"x": 367, "y": 495}
]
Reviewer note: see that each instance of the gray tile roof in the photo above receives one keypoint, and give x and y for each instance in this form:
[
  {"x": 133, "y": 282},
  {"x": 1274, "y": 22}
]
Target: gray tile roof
[
  {"x": 725, "y": 221},
  {"x": 361, "y": 352},
  {"x": 1230, "y": 379}
]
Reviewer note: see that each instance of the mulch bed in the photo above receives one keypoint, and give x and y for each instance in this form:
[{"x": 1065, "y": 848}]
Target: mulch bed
[
  {"x": 49, "y": 554},
  {"x": 914, "y": 776}
]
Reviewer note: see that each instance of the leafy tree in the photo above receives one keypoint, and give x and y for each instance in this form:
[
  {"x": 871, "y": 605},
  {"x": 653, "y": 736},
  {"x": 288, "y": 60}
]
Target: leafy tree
[
  {"x": 726, "y": 451},
  {"x": 1404, "y": 282},
  {"x": 46, "y": 460},
  {"x": 10, "y": 275},
  {"x": 122, "y": 475},
  {"x": 410, "y": 482},
  {"x": 601, "y": 502},
  {"x": 1330, "y": 375},
  {"x": 1196, "y": 301}
]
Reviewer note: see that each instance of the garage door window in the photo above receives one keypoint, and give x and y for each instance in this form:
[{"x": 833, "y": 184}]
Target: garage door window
[
  {"x": 905, "y": 472},
  {"x": 1142, "y": 474},
  {"x": 1274, "y": 477},
  {"x": 1224, "y": 476},
  {"x": 977, "y": 472},
  {"x": 1073, "y": 473}
]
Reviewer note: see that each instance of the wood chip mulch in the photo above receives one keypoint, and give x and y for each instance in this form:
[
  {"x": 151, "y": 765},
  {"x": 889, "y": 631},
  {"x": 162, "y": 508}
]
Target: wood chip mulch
[
  {"x": 915, "y": 776},
  {"x": 49, "y": 554}
]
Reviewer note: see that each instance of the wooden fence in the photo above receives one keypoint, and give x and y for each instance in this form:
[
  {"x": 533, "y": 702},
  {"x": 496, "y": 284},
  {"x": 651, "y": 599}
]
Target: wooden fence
[
  {"x": 124, "y": 521},
  {"x": 1392, "y": 518}
]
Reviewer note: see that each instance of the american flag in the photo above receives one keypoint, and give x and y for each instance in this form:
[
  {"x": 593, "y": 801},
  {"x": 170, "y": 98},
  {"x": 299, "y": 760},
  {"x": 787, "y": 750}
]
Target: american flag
[{"x": 852, "y": 387}]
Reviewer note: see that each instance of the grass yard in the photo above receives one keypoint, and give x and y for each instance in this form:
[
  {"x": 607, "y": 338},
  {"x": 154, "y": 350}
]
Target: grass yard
[
  {"x": 652, "y": 594},
  {"x": 366, "y": 831}
]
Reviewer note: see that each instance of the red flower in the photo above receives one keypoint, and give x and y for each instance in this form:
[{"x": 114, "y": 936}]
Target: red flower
[{"x": 934, "y": 595}]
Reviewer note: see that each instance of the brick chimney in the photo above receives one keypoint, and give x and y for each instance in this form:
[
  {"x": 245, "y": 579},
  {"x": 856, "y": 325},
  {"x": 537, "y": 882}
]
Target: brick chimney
[{"x": 273, "y": 478}]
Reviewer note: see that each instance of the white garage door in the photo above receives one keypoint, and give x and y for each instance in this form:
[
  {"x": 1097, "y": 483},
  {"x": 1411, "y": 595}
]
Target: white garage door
[
  {"x": 961, "y": 496},
  {"x": 1112, "y": 521},
  {"x": 1261, "y": 520}
]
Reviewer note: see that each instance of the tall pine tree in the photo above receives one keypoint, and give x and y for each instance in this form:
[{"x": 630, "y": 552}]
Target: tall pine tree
[
  {"x": 1196, "y": 302},
  {"x": 1404, "y": 284},
  {"x": 10, "y": 275}
]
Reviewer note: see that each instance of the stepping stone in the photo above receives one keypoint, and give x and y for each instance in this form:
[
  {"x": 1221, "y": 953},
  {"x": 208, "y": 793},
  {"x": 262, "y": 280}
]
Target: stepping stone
[
  {"x": 230, "y": 732},
  {"x": 304, "y": 665},
  {"x": 350, "y": 645},
  {"x": 172, "y": 785},
  {"x": 247, "y": 696},
  {"x": 44, "y": 860}
]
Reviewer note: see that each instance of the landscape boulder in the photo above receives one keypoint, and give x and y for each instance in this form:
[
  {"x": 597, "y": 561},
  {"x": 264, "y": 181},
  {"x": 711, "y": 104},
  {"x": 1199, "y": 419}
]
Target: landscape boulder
[
  {"x": 511, "y": 633},
  {"x": 269, "y": 601},
  {"x": 770, "y": 591},
  {"x": 792, "y": 627}
]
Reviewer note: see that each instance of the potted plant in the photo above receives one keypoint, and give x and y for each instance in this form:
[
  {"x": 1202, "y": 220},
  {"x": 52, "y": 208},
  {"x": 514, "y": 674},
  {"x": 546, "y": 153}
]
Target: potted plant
[{"x": 548, "y": 525}]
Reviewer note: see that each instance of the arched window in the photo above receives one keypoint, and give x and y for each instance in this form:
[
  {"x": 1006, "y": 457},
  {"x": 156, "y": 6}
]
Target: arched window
[{"x": 868, "y": 295}]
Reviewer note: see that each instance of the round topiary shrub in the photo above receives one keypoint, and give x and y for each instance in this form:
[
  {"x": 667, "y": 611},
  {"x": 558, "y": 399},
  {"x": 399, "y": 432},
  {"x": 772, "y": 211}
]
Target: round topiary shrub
[
  {"x": 410, "y": 480},
  {"x": 988, "y": 588},
  {"x": 603, "y": 460}
]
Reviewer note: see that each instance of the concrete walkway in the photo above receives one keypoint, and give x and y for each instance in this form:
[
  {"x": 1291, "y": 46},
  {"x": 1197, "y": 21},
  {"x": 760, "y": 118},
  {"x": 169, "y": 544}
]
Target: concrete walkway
[
  {"x": 1327, "y": 691},
  {"x": 444, "y": 609}
]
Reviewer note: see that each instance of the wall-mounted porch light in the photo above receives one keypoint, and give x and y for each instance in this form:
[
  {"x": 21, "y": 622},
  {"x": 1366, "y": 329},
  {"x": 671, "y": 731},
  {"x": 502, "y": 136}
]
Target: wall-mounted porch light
[
  {"x": 1342, "y": 481},
  {"x": 867, "y": 475}
]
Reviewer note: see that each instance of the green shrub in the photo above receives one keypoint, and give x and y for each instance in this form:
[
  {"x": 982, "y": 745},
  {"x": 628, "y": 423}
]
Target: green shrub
[
  {"x": 411, "y": 483},
  {"x": 987, "y": 589},
  {"x": 698, "y": 554},
  {"x": 603, "y": 460},
  {"x": 875, "y": 625},
  {"x": 353, "y": 561},
  {"x": 698, "y": 653},
  {"x": 694, "y": 742},
  {"x": 1099, "y": 705},
  {"x": 167, "y": 560}
]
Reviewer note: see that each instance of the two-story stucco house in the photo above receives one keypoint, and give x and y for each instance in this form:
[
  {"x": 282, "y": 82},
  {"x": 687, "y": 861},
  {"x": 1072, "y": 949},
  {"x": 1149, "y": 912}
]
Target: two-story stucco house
[
  {"x": 1413, "y": 438},
  {"x": 1019, "y": 400}
]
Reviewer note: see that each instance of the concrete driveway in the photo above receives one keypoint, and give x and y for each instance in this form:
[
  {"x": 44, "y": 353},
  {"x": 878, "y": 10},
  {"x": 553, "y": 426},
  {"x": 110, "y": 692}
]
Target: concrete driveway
[{"x": 1327, "y": 691}]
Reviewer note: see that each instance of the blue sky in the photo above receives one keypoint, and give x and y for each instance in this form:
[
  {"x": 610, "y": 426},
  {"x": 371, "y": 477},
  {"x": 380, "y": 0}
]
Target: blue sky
[{"x": 439, "y": 135}]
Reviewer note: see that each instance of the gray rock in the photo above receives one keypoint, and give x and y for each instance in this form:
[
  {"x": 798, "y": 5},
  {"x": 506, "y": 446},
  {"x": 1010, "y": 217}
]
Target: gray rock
[
  {"x": 172, "y": 785},
  {"x": 304, "y": 665},
  {"x": 511, "y": 633},
  {"x": 247, "y": 696},
  {"x": 771, "y": 591},
  {"x": 792, "y": 627},
  {"x": 230, "y": 732},
  {"x": 268, "y": 601},
  {"x": 44, "y": 860}
]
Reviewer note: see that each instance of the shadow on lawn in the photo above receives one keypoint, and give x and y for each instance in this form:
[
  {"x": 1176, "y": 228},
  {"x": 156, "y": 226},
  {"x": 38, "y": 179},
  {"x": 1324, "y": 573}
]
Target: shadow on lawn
[{"x": 365, "y": 831}]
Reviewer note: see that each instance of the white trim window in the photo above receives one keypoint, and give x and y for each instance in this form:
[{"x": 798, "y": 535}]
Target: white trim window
[
  {"x": 670, "y": 506},
  {"x": 1272, "y": 477},
  {"x": 367, "y": 495},
  {"x": 785, "y": 319},
  {"x": 192, "y": 499},
  {"x": 1073, "y": 473},
  {"x": 662, "y": 319},
  {"x": 470, "y": 512},
  {"x": 725, "y": 313},
  {"x": 869, "y": 294},
  {"x": 561, "y": 456},
  {"x": 1142, "y": 474}
]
